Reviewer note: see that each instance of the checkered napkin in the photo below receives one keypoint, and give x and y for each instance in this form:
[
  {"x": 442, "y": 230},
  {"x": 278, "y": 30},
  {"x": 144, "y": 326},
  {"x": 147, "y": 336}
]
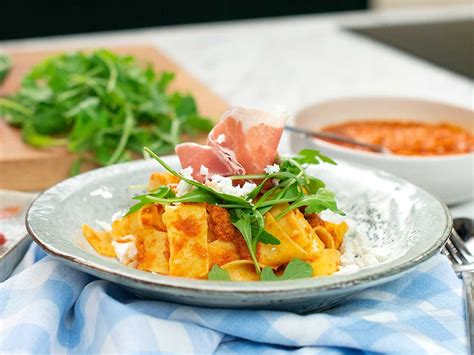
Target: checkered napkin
[{"x": 48, "y": 307}]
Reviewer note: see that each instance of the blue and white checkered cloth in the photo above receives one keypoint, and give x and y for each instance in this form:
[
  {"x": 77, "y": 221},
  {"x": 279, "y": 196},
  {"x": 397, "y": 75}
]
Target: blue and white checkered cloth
[{"x": 48, "y": 307}]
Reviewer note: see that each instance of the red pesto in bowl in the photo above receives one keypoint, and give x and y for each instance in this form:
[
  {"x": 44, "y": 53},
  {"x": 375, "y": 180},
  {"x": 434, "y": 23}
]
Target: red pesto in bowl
[{"x": 407, "y": 137}]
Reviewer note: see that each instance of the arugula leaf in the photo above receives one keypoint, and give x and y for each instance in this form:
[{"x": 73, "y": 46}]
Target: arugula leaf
[
  {"x": 160, "y": 193},
  {"x": 296, "y": 269},
  {"x": 165, "y": 196},
  {"x": 165, "y": 79},
  {"x": 250, "y": 224},
  {"x": 267, "y": 274},
  {"x": 311, "y": 156},
  {"x": 259, "y": 234},
  {"x": 267, "y": 238},
  {"x": 314, "y": 184},
  {"x": 242, "y": 222},
  {"x": 75, "y": 167},
  {"x": 197, "y": 196},
  {"x": 218, "y": 274},
  {"x": 127, "y": 128},
  {"x": 32, "y": 137},
  {"x": 322, "y": 200},
  {"x": 14, "y": 111}
]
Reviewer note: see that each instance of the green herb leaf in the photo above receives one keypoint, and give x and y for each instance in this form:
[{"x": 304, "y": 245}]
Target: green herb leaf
[
  {"x": 296, "y": 269},
  {"x": 160, "y": 193},
  {"x": 323, "y": 199},
  {"x": 196, "y": 195},
  {"x": 311, "y": 156},
  {"x": 75, "y": 167},
  {"x": 241, "y": 220},
  {"x": 218, "y": 274},
  {"x": 267, "y": 238},
  {"x": 31, "y": 136},
  {"x": 267, "y": 274},
  {"x": 314, "y": 185}
]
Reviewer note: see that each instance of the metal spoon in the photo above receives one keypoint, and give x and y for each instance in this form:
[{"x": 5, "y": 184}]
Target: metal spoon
[{"x": 336, "y": 137}]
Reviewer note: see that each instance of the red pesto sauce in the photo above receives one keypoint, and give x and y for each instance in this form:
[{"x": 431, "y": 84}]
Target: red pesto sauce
[{"x": 407, "y": 137}]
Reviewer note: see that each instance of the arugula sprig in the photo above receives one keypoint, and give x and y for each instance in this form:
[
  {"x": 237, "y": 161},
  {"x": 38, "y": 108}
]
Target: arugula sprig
[
  {"x": 291, "y": 184},
  {"x": 230, "y": 199},
  {"x": 295, "y": 186},
  {"x": 252, "y": 227},
  {"x": 104, "y": 107},
  {"x": 295, "y": 269}
]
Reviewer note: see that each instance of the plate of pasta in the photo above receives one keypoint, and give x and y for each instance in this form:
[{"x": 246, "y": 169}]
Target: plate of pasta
[{"x": 233, "y": 224}]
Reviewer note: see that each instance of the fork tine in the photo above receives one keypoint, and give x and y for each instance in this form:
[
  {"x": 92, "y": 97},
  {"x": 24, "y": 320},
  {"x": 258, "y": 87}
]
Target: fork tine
[
  {"x": 454, "y": 252},
  {"x": 461, "y": 248},
  {"x": 452, "y": 261},
  {"x": 448, "y": 254}
]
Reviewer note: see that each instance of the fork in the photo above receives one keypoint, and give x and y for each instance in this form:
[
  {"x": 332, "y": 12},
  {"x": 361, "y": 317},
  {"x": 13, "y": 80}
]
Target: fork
[{"x": 463, "y": 264}]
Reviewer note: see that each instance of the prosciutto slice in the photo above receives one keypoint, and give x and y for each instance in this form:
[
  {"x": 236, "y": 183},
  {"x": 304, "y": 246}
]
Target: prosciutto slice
[
  {"x": 197, "y": 155},
  {"x": 244, "y": 141}
]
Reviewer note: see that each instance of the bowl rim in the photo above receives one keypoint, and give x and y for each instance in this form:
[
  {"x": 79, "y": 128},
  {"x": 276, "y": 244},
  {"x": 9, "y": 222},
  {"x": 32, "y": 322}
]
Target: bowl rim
[
  {"x": 138, "y": 278},
  {"x": 379, "y": 156}
]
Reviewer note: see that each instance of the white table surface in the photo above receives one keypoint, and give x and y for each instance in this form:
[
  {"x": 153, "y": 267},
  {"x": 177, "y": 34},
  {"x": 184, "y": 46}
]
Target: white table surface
[{"x": 292, "y": 62}]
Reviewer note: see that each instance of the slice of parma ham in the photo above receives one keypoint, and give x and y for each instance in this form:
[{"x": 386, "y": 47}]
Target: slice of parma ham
[{"x": 244, "y": 141}]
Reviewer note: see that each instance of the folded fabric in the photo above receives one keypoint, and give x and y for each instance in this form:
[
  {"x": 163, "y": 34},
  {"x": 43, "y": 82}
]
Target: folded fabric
[{"x": 48, "y": 307}]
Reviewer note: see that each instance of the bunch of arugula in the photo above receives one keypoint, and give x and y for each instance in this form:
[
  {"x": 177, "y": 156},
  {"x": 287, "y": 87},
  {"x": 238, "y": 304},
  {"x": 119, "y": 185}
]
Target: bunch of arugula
[
  {"x": 291, "y": 184},
  {"x": 103, "y": 106}
]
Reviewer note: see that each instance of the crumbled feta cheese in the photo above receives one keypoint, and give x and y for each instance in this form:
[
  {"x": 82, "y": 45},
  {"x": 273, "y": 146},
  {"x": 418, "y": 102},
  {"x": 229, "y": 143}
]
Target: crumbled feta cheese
[
  {"x": 271, "y": 169},
  {"x": 358, "y": 252},
  {"x": 204, "y": 171},
  {"x": 224, "y": 185},
  {"x": 126, "y": 251},
  {"x": 188, "y": 172},
  {"x": 275, "y": 182},
  {"x": 184, "y": 187},
  {"x": 220, "y": 138}
]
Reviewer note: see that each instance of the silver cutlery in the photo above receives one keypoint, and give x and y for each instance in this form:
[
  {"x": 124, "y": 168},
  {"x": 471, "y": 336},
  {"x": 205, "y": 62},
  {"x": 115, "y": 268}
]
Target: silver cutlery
[{"x": 339, "y": 138}]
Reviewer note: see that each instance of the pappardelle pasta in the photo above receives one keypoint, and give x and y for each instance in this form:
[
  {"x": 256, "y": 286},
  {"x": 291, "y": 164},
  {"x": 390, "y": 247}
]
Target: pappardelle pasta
[{"x": 200, "y": 240}]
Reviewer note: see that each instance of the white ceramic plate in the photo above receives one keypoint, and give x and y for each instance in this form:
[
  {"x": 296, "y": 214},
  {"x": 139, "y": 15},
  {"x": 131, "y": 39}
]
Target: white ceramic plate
[{"x": 390, "y": 211}]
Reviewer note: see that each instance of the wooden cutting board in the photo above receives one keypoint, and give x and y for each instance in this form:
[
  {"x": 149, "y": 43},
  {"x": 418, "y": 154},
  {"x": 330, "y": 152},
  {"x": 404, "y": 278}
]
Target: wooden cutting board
[{"x": 25, "y": 168}]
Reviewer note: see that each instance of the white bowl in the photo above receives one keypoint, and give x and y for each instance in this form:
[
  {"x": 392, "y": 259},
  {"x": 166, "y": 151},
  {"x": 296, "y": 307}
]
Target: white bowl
[{"x": 450, "y": 177}]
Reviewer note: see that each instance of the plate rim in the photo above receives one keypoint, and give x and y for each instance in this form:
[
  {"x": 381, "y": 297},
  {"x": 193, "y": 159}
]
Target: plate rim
[{"x": 164, "y": 282}]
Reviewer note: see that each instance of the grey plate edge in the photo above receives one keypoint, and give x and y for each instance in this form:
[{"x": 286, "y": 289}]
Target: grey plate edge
[{"x": 9, "y": 261}]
